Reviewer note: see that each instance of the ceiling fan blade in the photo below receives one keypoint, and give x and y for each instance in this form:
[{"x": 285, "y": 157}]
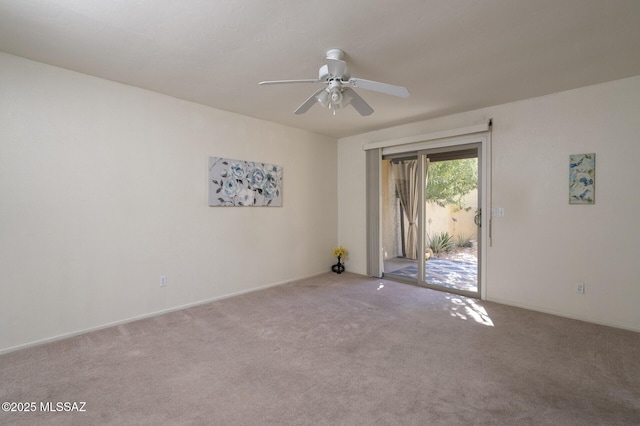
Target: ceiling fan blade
[
  {"x": 357, "y": 102},
  {"x": 309, "y": 80},
  {"x": 308, "y": 103},
  {"x": 385, "y": 88},
  {"x": 336, "y": 67}
]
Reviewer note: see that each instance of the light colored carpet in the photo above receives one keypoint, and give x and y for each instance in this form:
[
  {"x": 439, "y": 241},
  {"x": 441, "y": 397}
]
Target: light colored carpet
[{"x": 335, "y": 350}]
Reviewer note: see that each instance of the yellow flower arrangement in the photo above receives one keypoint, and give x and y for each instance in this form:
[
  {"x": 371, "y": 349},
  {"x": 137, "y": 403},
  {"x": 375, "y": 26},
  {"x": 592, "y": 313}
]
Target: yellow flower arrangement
[{"x": 339, "y": 251}]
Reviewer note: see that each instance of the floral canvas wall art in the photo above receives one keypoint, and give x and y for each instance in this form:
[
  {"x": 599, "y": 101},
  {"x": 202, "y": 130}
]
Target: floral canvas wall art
[
  {"x": 582, "y": 179},
  {"x": 244, "y": 183}
]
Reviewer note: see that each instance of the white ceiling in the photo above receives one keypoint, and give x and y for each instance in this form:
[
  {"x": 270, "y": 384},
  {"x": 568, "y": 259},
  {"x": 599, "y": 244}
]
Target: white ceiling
[{"x": 452, "y": 55}]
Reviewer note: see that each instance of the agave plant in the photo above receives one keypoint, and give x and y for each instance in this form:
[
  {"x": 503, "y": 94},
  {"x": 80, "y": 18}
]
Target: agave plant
[
  {"x": 463, "y": 241},
  {"x": 441, "y": 243}
]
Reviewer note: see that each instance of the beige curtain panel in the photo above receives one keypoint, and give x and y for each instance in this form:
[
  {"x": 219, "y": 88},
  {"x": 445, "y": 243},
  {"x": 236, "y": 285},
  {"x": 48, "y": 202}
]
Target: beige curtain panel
[{"x": 405, "y": 174}]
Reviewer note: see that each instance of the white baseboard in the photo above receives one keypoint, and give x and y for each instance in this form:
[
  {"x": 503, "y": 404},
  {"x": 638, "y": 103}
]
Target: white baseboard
[
  {"x": 148, "y": 315},
  {"x": 622, "y": 326}
]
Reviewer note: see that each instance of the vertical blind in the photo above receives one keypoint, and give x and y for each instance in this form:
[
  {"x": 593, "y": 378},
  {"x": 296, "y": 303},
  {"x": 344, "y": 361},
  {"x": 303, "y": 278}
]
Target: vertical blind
[{"x": 374, "y": 259}]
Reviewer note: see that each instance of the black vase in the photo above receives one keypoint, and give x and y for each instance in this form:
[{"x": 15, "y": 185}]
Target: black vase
[{"x": 338, "y": 268}]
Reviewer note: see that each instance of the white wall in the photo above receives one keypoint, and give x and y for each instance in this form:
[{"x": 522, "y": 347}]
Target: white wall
[
  {"x": 103, "y": 189},
  {"x": 543, "y": 245}
]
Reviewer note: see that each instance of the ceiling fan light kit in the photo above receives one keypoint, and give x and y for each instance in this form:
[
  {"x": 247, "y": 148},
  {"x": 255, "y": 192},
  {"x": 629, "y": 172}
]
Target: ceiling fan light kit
[
  {"x": 335, "y": 74},
  {"x": 333, "y": 97}
]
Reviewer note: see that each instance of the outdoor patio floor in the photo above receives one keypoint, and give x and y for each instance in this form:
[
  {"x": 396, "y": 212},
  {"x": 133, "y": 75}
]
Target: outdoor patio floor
[{"x": 460, "y": 272}]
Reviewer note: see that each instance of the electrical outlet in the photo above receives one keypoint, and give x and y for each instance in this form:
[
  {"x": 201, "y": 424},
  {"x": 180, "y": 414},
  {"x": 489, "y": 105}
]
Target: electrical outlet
[
  {"x": 163, "y": 281},
  {"x": 580, "y": 288}
]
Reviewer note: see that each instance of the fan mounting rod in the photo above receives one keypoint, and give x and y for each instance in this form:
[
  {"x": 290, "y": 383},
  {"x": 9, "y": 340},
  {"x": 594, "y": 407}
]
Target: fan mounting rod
[{"x": 335, "y": 54}]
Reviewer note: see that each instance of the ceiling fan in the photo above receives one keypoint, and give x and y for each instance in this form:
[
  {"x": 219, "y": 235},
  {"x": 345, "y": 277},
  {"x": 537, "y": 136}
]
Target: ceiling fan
[{"x": 335, "y": 75}]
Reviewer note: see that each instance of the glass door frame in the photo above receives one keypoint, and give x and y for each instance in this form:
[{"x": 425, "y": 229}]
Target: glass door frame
[
  {"x": 422, "y": 206},
  {"x": 484, "y": 170}
]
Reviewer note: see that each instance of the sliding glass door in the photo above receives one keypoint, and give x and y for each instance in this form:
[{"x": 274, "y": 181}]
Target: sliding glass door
[
  {"x": 401, "y": 185},
  {"x": 451, "y": 215},
  {"x": 431, "y": 217}
]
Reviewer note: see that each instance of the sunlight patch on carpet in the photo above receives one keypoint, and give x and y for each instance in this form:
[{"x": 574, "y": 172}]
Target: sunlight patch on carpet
[{"x": 466, "y": 309}]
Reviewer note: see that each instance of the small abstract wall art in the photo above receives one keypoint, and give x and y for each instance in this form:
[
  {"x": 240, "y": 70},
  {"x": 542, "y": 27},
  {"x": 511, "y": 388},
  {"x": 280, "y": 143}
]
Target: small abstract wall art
[
  {"x": 582, "y": 179},
  {"x": 244, "y": 183}
]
